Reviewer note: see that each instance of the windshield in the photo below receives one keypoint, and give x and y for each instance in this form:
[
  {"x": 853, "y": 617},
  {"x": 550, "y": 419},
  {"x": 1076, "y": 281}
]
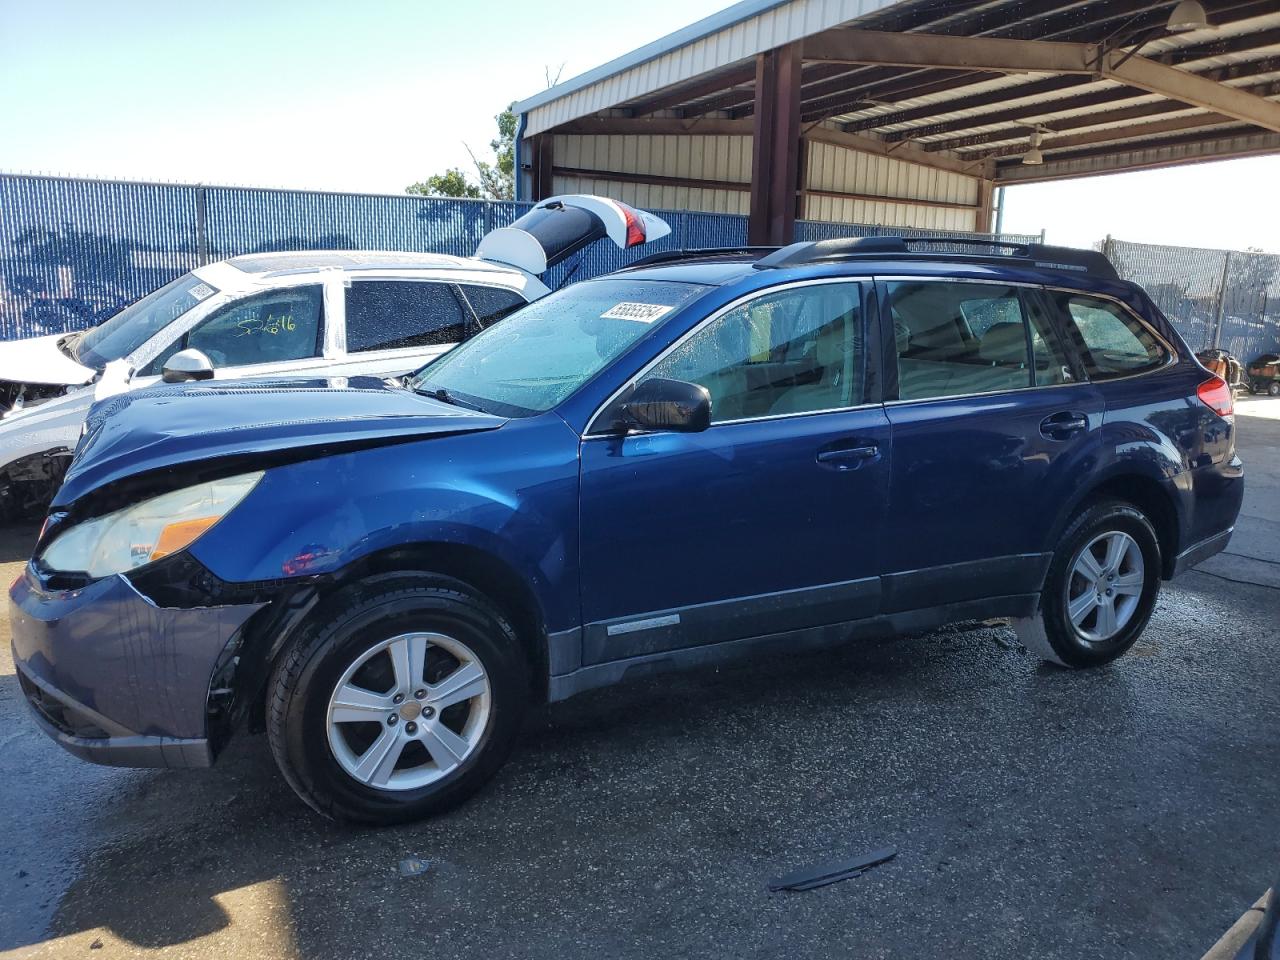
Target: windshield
[
  {"x": 542, "y": 353},
  {"x": 139, "y": 322}
]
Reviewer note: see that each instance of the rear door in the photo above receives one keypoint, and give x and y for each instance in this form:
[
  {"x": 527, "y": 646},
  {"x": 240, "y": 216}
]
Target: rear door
[
  {"x": 993, "y": 429},
  {"x": 769, "y": 520}
]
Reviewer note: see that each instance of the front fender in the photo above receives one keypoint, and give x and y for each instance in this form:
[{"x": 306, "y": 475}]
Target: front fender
[
  {"x": 511, "y": 493},
  {"x": 52, "y": 425}
]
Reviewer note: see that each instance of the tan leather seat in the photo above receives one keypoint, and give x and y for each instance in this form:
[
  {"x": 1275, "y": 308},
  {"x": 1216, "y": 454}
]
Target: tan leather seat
[{"x": 834, "y": 386}]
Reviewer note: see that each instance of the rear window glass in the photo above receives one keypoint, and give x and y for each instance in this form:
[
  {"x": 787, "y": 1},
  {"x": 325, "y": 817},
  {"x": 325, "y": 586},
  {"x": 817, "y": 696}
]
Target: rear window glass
[
  {"x": 1112, "y": 341},
  {"x": 398, "y": 314},
  {"x": 491, "y": 304}
]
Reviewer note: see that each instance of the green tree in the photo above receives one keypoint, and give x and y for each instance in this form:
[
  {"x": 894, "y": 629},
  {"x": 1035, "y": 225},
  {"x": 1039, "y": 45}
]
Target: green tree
[
  {"x": 497, "y": 177},
  {"x": 452, "y": 183}
]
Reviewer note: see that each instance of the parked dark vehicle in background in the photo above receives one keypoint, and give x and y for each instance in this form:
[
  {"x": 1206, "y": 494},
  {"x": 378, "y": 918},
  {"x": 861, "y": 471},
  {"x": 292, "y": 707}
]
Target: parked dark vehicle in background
[
  {"x": 1264, "y": 374},
  {"x": 712, "y": 454}
]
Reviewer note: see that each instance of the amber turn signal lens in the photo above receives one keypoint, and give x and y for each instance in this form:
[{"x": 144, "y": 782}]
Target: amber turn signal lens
[{"x": 176, "y": 536}]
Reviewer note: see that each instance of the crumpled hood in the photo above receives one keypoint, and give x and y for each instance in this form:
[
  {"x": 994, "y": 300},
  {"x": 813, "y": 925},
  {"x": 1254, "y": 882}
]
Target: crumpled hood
[
  {"x": 137, "y": 433},
  {"x": 38, "y": 360}
]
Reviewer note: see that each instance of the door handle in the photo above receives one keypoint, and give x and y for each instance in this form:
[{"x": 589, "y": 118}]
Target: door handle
[
  {"x": 1064, "y": 425},
  {"x": 848, "y": 457}
]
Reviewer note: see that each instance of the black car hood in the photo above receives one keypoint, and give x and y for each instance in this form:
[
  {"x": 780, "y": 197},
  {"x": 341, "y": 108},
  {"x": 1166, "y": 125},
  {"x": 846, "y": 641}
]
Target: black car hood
[{"x": 251, "y": 424}]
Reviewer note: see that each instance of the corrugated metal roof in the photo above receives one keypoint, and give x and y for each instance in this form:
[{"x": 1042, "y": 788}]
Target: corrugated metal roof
[
  {"x": 967, "y": 114},
  {"x": 748, "y": 28}
]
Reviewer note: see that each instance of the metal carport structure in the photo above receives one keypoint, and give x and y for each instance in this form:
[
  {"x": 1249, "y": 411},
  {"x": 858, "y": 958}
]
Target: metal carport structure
[{"x": 909, "y": 113}]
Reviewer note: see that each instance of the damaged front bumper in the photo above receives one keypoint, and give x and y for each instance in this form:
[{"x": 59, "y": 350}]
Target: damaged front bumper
[{"x": 116, "y": 679}]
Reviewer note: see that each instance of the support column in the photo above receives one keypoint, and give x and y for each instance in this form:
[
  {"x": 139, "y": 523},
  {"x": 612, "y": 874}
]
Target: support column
[
  {"x": 541, "y": 164},
  {"x": 775, "y": 147},
  {"x": 983, "y": 222}
]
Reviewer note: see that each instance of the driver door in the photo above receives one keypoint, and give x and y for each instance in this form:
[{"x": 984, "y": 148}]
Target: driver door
[{"x": 767, "y": 522}]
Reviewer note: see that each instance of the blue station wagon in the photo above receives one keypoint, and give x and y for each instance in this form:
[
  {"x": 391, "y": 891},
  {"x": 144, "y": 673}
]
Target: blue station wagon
[{"x": 710, "y": 454}]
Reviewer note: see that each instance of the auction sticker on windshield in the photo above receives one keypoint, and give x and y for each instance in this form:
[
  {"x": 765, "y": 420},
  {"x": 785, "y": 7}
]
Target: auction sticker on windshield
[
  {"x": 641, "y": 312},
  {"x": 201, "y": 291}
]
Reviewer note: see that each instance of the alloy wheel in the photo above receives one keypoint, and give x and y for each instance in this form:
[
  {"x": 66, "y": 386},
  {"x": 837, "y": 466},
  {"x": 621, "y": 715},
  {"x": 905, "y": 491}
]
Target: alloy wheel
[
  {"x": 1105, "y": 587},
  {"x": 409, "y": 711}
]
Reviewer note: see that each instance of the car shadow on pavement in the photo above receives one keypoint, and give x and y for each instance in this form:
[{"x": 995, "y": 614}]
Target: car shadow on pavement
[
  {"x": 682, "y": 758},
  {"x": 645, "y": 819}
]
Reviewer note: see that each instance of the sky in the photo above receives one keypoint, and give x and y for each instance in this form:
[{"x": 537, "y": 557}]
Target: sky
[{"x": 371, "y": 97}]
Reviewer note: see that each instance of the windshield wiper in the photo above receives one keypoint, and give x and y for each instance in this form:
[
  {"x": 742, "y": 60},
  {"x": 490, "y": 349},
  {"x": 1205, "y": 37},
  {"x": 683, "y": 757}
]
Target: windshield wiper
[{"x": 444, "y": 396}]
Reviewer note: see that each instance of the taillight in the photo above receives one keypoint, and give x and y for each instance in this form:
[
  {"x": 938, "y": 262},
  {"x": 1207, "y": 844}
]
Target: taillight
[
  {"x": 635, "y": 226},
  {"x": 1215, "y": 394}
]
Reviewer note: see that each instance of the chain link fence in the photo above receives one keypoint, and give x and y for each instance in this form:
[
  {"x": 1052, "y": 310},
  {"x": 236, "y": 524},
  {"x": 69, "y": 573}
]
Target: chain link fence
[
  {"x": 73, "y": 252},
  {"x": 1228, "y": 299}
]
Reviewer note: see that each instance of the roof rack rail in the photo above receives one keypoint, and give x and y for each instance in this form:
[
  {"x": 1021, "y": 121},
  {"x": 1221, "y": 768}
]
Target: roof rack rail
[
  {"x": 696, "y": 253},
  {"x": 1041, "y": 255}
]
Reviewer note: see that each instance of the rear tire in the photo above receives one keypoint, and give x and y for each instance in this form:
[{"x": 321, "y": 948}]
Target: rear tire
[
  {"x": 1273, "y": 389},
  {"x": 400, "y": 700},
  {"x": 1101, "y": 588}
]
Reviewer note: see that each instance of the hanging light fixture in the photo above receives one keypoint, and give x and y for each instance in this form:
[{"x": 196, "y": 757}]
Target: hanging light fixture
[
  {"x": 1033, "y": 157},
  {"x": 1187, "y": 15}
]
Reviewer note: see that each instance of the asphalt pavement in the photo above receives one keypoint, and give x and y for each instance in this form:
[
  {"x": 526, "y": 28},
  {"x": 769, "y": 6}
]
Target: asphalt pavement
[{"x": 1125, "y": 812}]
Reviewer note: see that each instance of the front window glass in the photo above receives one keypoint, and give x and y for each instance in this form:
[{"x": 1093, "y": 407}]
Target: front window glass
[
  {"x": 139, "y": 322},
  {"x": 797, "y": 351},
  {"x": 270, "y": 327},
  {"x": 539, "y": 355}
]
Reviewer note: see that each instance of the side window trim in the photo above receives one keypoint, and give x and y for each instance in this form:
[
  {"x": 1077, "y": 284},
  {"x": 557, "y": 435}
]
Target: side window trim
[
  {"x": 1060, "y": 328},
  {"x": 593, "y": 431}
]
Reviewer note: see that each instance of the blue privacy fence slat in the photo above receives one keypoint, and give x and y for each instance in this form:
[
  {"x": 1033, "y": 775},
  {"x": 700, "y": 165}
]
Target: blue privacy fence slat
[{"x": 72, "y": 252}]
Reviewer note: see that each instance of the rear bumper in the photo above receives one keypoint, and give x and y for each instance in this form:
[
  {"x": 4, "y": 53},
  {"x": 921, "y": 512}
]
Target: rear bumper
[
  {"x": 114, "y": 678},
  {"x": 1197, "y": 553}
]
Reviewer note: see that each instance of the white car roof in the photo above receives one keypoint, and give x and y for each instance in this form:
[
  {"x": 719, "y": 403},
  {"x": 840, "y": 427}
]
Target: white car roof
[
  {"x": 307, "y": 261},
  {"x": 258, "y": 270}
]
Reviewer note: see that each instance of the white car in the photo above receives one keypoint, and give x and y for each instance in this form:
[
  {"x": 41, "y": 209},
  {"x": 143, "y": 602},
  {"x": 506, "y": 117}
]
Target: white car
[{"x": 313, "y": 313}]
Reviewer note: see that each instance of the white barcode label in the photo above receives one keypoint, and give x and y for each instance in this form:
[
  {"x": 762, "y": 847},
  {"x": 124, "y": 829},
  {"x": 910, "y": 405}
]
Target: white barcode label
[
  {"x": 202, "y": 291},
  {"x": 640, "y": 312}
]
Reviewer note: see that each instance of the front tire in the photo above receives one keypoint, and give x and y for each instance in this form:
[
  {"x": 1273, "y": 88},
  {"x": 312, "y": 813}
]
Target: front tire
[
  {"x": 1101, "y": 588},
  {"x": 1273, "y": 388},
  {"x": 399, "y": 701}
]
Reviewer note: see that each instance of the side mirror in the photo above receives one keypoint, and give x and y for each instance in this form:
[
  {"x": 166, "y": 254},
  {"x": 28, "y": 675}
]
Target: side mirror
[
  {"x": 660, "y": 404},
  {"x": 187, "y": 365}
]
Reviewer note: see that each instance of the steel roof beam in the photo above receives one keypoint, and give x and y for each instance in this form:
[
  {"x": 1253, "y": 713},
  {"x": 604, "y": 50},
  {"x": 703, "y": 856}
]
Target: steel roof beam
[
  {"x": 1148, "y": 155},
  {"x": 973, "y": 101},
  {"x": 1094, "y": 98},
  {"x": 1137, "y": 111},
  {"x": 1113, "y": 135},
  {"x": 675, "y": 97},
  {"x": 1048, "y": 56},
  {"x": 1192, "y": 88},
  {"x": 951, "y": 53}
]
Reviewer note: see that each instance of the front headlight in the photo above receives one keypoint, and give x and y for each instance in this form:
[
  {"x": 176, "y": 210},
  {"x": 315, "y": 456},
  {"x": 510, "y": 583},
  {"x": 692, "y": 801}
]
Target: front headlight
[{"x": 147, "y": 531}]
